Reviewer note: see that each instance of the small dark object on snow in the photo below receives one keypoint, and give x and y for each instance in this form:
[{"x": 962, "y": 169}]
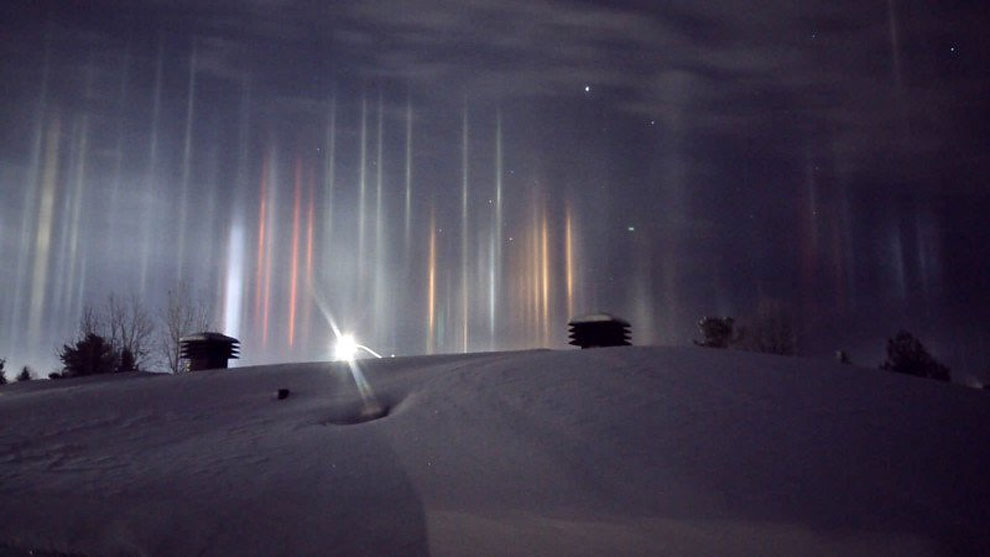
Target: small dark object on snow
[
  {"x": 282, "y": 394},
  {"x": 599, "y": 329},
  {"x": 208, "y": 350}
]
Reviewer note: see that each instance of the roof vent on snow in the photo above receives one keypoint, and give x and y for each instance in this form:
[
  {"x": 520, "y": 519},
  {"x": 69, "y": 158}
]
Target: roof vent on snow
[
  {"x": 599, "y": 329},
  {"x": 208, "y": 350}
]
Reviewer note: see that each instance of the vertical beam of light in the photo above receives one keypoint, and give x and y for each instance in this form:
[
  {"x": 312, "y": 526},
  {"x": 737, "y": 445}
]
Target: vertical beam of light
[
  {"x": 641, "y": 295},
  {"x": 409, "y": 147},
  {"x": 379, "y": 276},
  {"x": 329, "y": 174},
  {"x": 260, "y": 256},
  {"x": 31, "y": 199},
  {"x": 118, "y": 162},
  {"x": 464, "y": 229},
  {"x": 270, "y": 226},
  {"x": 266, "y": 240},
  {"x": 545, "y": 276},
  {"x": 240, "y": 209},
  {"x": 294, "y": 273},
  {"x": 80, "y": 288},
  {"x": 673, "y": 196},
  {"x": 186, "y": 163},
  {"x": 310, "y": 225},
  {"x": 569, "y": 259},
  {"x": 45, "y": 223},
  {"x": 431, "y": 287},
  {"x": 150, "y": 176},
  {"x": 79, "y": 189},
  {"x": 511, "y": 299},
  {"x": 234, "y": 283},
  {"x": 495, "y": 267},
  {"x": 380, "y": 172},
  {"x": 407, "y": 255},
  {"x": 362, "y": 194},
  {"x": 209, "y": 251},
  {"x": 534, "y": 271},
  {"x": 63, "y": 221},
  {"x": 78, "y": 194},
  {"x": 492, "y": 242}
]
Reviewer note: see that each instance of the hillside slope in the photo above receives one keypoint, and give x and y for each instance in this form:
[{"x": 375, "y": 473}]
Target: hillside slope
[{"x": 681, "y": 451}]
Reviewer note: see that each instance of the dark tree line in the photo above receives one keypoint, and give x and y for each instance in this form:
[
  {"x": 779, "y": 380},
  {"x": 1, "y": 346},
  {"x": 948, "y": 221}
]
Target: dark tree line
[
  {"x": 24, "y": 375},
  {"x": 771, "y": 332},
  {"x": 122, "y": 336},
  {"x": 114, "y": 337}
]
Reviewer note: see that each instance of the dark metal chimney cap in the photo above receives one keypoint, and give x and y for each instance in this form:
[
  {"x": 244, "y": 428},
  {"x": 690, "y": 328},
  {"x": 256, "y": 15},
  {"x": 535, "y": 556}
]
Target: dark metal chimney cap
[
  {"x": 598, "y": 318},
  {"x": 599, "y": 330},
  {"x": 208, "y": 336}
]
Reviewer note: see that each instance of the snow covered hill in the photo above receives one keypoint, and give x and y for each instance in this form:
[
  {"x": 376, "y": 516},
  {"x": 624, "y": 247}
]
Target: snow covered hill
[{"x": 615, "y": 451}]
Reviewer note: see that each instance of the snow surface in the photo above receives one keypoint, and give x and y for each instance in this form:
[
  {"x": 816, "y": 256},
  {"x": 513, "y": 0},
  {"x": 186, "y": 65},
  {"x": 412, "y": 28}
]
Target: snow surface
[{"x": 611, "y": 451}]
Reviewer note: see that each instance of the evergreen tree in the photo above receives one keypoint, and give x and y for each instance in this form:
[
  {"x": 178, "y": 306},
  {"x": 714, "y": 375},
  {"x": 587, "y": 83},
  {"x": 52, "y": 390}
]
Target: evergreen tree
[
  {"x": 906, "y": 354},
  {"x": 25, "y": 374},
  {"x": 90, "y": 356},
  {"x": 3, "y": 378}
]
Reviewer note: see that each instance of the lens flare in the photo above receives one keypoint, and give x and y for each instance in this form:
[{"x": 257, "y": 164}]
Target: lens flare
[{"x": 346, "y": 348}]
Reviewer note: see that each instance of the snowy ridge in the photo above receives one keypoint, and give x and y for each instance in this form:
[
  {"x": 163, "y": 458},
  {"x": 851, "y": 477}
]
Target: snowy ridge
[{"x": 683, "y": 451}]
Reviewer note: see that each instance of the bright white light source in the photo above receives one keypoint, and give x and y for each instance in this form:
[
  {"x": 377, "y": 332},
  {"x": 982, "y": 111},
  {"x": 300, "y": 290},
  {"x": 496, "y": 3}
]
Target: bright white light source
[{"x": 346, "y": 349}]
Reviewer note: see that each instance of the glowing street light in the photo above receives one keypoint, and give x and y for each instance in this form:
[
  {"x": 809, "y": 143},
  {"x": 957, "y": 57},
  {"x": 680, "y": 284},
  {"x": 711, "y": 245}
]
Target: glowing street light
[{"x": 346, "y": 349}]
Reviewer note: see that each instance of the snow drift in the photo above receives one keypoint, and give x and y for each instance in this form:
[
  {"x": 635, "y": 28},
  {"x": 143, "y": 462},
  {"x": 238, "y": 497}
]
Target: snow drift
[{"x": 679, "y": 451}]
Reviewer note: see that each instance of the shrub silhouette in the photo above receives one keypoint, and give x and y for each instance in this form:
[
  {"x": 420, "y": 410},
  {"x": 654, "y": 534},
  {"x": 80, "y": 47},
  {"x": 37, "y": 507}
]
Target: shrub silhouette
[
  {"x": 25, "y": 374},
  {"x": 906, "y": 354},
  {"x": 90, "y": 356},
  {"x": 717, "y": 332}
]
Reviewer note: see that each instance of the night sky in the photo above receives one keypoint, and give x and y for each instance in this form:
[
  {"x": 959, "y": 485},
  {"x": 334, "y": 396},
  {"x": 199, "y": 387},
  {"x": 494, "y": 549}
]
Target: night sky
[{"x": 464, "y": 176}]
